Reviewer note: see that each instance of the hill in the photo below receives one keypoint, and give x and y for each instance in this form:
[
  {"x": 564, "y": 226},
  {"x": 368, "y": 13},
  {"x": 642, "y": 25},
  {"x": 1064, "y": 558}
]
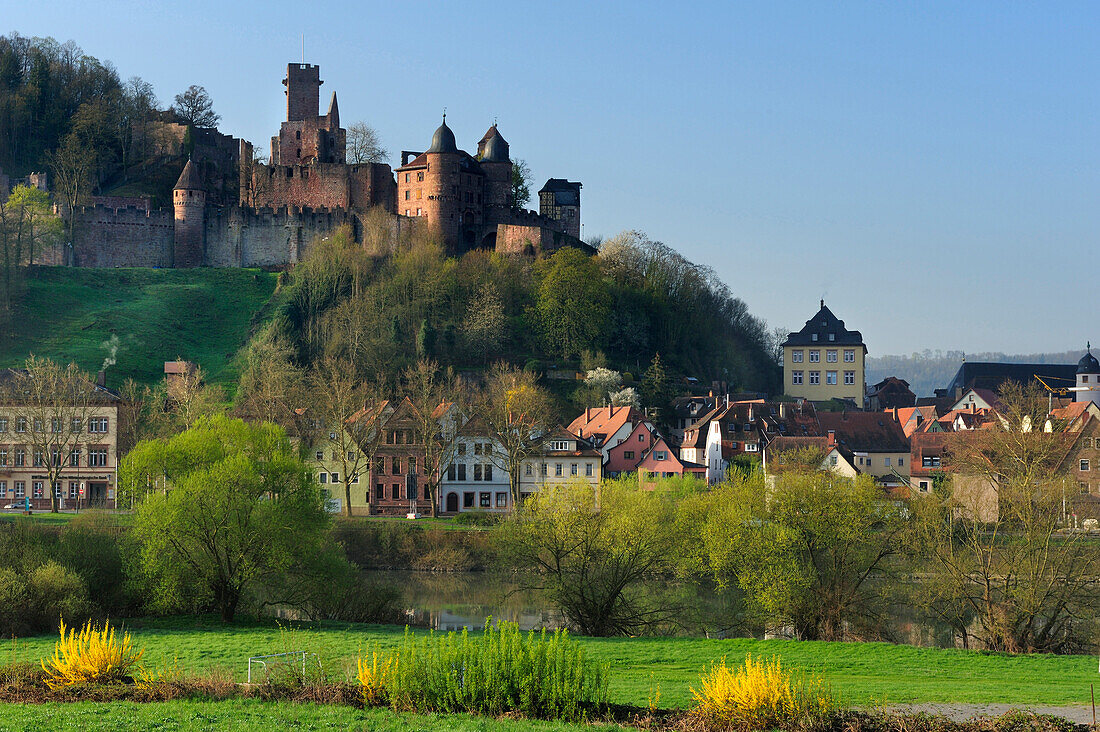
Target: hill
[
  {"x": 132, "y": 320},
  {"x": 932, "y": 370}
]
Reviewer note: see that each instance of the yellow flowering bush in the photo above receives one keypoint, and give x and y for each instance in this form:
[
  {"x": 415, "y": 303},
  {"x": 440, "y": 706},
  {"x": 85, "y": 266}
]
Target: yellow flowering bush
[{"x": 94, "y": 655}]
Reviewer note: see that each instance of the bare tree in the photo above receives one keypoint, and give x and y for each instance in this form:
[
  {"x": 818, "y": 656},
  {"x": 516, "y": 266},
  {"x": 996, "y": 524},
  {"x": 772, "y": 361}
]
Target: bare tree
[
  {"x": 364, "y": 145},
  {"x": 195, "y": 107},
  {"x": 255, "y": 181},
  {"x": 59, "y": 408},
  {"x": 518, "y": 414},
  {"x": 433, "y": 391},
  {"x": 72, "y": 165},
  {"x": 485, "y": 327},
  {"x": 348, "y": 416}
]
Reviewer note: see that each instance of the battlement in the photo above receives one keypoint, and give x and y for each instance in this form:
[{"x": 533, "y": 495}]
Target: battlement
[{"x": 124, "y": 214}]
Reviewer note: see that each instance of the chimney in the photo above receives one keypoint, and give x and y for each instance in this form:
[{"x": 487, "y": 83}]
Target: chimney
[
  {"x": 896, "y": 415},
  {"x": 101, "y": 379},
  {"x": 782, "y": 410},
  {"x": 832, "y": 438}
]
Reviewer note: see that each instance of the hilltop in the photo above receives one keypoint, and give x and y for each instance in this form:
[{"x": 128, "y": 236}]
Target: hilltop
[
  {"x": 138, "y": 318},
  {"x": 932, "y": 370}
]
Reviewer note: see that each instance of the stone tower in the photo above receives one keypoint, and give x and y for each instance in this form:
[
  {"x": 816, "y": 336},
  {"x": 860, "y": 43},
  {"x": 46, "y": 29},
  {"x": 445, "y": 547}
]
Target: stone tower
[
  {"x": 560, "y": 199},
  {"x": 493, "y": 154},
  {"x": 189, "y": 204},
  {"x": 306, "y": 136}
]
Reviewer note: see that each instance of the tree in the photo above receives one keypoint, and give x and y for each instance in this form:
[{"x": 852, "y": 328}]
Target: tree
[
  {"x": 271, "y": 385},
  {"x": 57, "y": 405},
  {"x": 572, "y": 303},
  {"x": 433, "y": 392},
  {"x": 188, "y": 397},
  {"x": 656, "y": 390},
  {"x": 803, "y": 551},
  {"x": 254, "y": 183},
  {"x": 521, "y": 184},
  {"x": 71, "y": 164},
  {"x": 242, "y": 512},
  {"x": 347, "y": 414},
  {"x": 518, "y": 414},
  {"x": 1004, "y": 575},
  {"x": 364, "y": 145},
  {"x": 485, "y": 327},
  {"x": 195, "y": 107},
  {"x": 593, "y": 554}
]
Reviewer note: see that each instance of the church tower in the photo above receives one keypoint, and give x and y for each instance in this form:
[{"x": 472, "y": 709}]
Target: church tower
[
  {"x": 1088, "y": 379},
  {"x": 189, "y": 205}
]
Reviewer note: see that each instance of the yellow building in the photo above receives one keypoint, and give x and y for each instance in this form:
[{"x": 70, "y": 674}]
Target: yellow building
[{"x": 824, "y": 361}]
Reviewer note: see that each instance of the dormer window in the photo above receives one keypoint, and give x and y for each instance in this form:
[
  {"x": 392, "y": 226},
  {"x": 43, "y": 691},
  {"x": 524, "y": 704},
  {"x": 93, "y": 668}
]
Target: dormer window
[
  {"x": 813, "y": 336},
  {"x": 832, "y": 336}
]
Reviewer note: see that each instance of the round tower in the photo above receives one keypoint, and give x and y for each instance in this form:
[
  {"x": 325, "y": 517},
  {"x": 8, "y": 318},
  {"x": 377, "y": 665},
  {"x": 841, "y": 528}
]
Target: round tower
[
  {"x": 493, "y": 154},
  {"x": 1088, "y": 378},
  {"x": 189, "y": 205},
  {"x": 442, "y": 179}
]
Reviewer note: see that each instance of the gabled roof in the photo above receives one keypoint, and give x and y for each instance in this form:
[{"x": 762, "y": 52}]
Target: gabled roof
[
  {"x": 865, "y": 431},
  {"x": 822, "y": 325},
  {"x": 603, "y": 421},
  {"x": 991, "y": 375},
  {"x": 566, "y": 193}
]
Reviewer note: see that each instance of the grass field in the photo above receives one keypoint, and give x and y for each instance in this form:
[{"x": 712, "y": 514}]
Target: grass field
[
  {"x": 861, "y": 673},
  {"x": 201, "y": 315},
  {"x": 254, "y": 716}
]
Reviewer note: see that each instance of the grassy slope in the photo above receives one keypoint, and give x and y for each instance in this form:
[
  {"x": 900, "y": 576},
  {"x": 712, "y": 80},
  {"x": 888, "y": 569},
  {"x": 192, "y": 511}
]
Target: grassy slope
[
  {"x": 863, "y": 674},
  {"x": 253, "y": 716},
  {"x": 202, "y": 315}
]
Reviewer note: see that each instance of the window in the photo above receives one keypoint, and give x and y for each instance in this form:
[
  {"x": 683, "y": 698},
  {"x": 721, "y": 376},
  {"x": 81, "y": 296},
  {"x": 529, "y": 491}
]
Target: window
[
  {"x": 97, "y": 457},
  {"x": 57, "y": 488},
  {"x": 20, "y": 457},
  {"x": 830, "y": 356},
  {"x": 1085, "y": 379},
  {"x": 3, "y": 424},
  {"x": 627, "y": 455},
  {"x": 412, "y": 464},
  {"x": 558, "y": 469},
  {"x": 420, "y": 176},
  {"x": 477, "y": 471},
  {"x": 752, "y": 447},
  {"x": 572, "y": 468},
  {"x": 3, "y": 489},
  {"x": 477, "y": 448},
  {"x": 886, "y": 462},
  {"x": 559, "y": 445},
  {"x": 319, "y": 456},
  {"x": 355, "y": 477},
  {"x": 322, "y": 478},
  {"x": 815, "y": 377},
  {"x": 832, "y": 460},
  {"x": 641, "y": 438},
  {"x": 407, "y": 192},
  {"x": 796, "y": 377},
  {"x": 588, "y": 470},
  {"x": 98, "y": 424},
  {"x": 334, "y": 477},
  {"x": 20, "y": 424},
  {"x": 55, "y": 456},
  {"x": 796, "y": 356},
  {"x": 502, "y": 500},
  {"x": 1084, "y": 465},
  {"x": 462, "y": 471},
  {"x": 395, "y": 491},
  {"x": 901, "y": 461},
  {"x": 37, "y": 486},
  {"x": 379, "y": 492},
  {"x": 397, "y": 466},
  {"x": 660, "y": 455},
  {"x": 544, "y": 470},
  {"x": 830, "y": 377},
  {"x": 20, "y": 489},
  {"x": 527, "y": 470},
  {"x": 849, "y": 355},
  {"x": 815, "y": 356},
  {"x": 813, "y": 337},
  {"x": 1084, "y": 487},
  {"x": 485, "y": 499},
  {"x": 3, "y": 456},
  {"x": 38, "y": 424},
  {"x": 1087, "y": 443},
  {"x": 462, "y": 448},
  {"x": 351, "y": 456},
  {"x": 39, "y": 459},
  {"x": 451, "y": 472},
  {"x": 488, "y": 472},
  {"x": 849, "y": 378}
]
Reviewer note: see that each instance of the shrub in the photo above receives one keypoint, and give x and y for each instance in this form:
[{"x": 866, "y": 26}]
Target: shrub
[
  {"x": 759, "y": 695},
  {"x": 375, "y": 678},
  {"x": 498, "y": 671},
  {"x": 53, "y": 590},
  {"x": 477, "y": 518},
  {"x": 94, "y": 655}
]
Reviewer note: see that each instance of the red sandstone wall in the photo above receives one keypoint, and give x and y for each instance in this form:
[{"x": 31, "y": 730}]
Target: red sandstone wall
[{"x": 126, "y": 237}]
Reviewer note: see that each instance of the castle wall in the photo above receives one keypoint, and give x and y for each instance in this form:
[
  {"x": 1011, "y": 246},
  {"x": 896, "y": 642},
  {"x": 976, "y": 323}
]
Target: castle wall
[
  {"x": 325, "y": 185},
  {"x": 118, "y": 237},
  {"x": 266, "y": 237},
  {"x": 535, "y": 239}
]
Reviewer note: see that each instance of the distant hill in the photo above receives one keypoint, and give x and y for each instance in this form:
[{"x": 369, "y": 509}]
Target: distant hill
[
  {"x": 133, "y": 320},
  {"x": 932, "y": 370}
]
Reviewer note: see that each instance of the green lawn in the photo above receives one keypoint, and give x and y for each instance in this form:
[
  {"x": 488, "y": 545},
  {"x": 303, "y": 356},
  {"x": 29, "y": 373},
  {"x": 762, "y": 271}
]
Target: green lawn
[
  {"x": 862, "y": 673},
  {"x": 201, "y": 315},
  {"x": 246, "y": 715}
]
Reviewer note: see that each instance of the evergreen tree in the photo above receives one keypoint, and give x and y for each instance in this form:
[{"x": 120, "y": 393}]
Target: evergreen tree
[
  {"x": 425, "y": 339},
  {"x": 655, "y": 386}
]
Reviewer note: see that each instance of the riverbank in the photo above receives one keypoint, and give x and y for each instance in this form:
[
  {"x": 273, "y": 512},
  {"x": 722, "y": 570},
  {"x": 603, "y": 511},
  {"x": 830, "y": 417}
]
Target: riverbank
[{"x": 862, "y": 674}]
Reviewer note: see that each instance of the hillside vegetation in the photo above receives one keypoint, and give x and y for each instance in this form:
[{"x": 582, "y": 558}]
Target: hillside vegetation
[
  {"x": 931, "y": 370},
  {"x": 130, "y": 321}
]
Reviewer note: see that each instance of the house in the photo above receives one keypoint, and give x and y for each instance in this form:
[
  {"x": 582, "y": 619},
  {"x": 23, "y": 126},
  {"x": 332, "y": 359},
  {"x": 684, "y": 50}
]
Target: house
[
  {"x": 79, "y": 441},
  {"x": 661, "y": 461},
  {"x": 565, "y": 457},
  {"x": 686, "y": 412},
  {"x": 475, "y": 478},
  {"x": 912, "y": 419},
  {"x": 606, "y": 427},
  {"x": 624, "y": 457},
  {"x": 777, "y": 455},
  {"x": 977, "y": 398},
  {"x": 889, "y": 393},
  {"x": 873, "y": 442},
  {"x": 992, "y": 376},
  {"x": 824, "y": 361}
]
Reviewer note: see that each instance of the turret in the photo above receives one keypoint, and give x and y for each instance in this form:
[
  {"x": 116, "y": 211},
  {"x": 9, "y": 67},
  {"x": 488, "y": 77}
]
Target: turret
[
  {"x": 492, "y": 152},
  {"x": 189, "y": 205},
  {"x": 1088, "y": 378}
]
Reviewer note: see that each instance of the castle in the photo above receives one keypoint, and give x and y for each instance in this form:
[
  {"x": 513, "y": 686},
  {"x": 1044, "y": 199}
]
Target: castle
[{"x": 308, "y": 188}]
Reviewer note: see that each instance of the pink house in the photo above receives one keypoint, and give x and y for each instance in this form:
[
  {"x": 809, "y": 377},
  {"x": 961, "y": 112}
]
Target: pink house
[
  {"x": 662, "y": 462},
  {"x": 625, "y": 456}
]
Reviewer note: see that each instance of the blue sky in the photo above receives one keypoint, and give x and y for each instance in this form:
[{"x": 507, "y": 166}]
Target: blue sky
[{"x": 930, "y": 170}]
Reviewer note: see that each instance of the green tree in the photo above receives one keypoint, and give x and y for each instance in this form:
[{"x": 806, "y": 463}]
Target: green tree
[
  {"x": 572, "y": 304},
  {"x": 521, "y": 184},
  {"x": 240, "y": 513},
  {"x": 594, "y": 553},
  {"x": 656, "y": 390},
  {"x": 803, "y": 551}
]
